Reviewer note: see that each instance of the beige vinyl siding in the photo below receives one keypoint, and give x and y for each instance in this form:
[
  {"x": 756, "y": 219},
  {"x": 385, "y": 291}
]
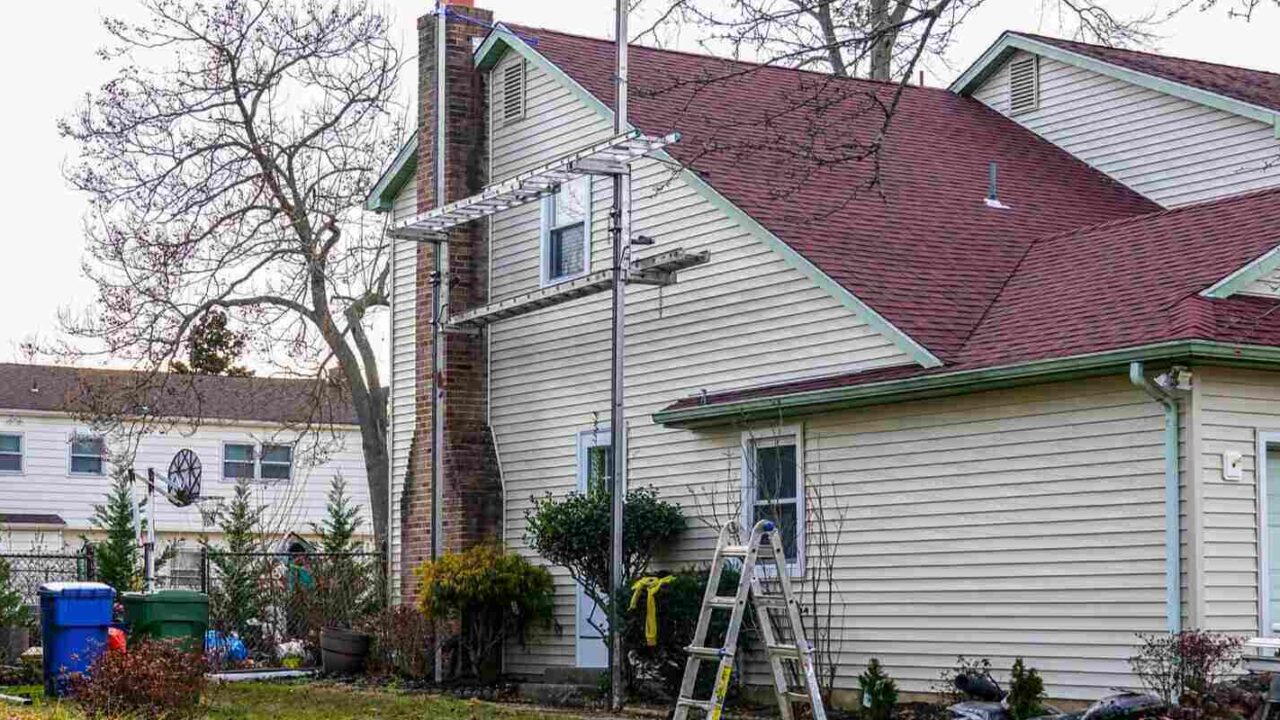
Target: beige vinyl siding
[
  {"x": 744, "y": 319},
  {"x": 1237, "y": 405},
  {"x": 403, "y": 358},
  {"x": 1023, "y": 522},
  {"x": 556, "y": 123},
  {"x": 1171, "y": 150}
]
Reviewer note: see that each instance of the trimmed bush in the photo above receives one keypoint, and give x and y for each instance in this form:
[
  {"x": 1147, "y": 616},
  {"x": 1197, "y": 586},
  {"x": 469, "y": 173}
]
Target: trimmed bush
[{"x": 493, "y": 594}]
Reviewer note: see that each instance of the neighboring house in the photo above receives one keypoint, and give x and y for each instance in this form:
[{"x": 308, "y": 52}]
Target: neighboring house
[
  {"x": 1051, "y": 413},
  {"x": 288, "y": 439}
]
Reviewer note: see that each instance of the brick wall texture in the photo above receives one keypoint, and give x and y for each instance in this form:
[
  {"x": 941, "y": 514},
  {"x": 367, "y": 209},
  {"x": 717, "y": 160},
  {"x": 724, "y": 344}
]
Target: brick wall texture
[{"x": 472, "y": 505}]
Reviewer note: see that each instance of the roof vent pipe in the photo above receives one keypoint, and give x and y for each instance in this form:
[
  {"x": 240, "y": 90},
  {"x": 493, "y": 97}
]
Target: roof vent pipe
[{"x": 993, "y": 196}]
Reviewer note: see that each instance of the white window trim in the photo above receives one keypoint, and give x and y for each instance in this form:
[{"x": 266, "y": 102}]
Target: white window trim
[
  {"x": 71, "y": 472},
  {"x": 544, "y": 251},
  {"x": 751, "y": 439},
  {"x": 22, "y": 454},
  {"x": 1264, "y": 438}
]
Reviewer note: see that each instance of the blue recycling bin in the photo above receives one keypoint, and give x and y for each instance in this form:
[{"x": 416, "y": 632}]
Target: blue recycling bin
[{"x": 74, "y": 619}]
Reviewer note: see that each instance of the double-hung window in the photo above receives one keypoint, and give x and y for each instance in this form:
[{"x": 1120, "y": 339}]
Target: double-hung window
[
  {"x": 271, "y": 461},
  {"x": 239, "y": 460},
  {"x": 10, "y": 453},
  {"x": 276, "y": 462},
  {"x": 773, "y": 487},
  {"x": 88, "y": 455},
  {"x": 566, "y": 232}
]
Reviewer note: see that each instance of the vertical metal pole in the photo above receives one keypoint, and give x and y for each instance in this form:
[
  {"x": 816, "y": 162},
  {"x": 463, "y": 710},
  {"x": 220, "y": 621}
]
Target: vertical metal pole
[
  {"x": 440, "y": 300},
  {"x": 149, "y": 550},
  {"x": 621, "y": 232}
]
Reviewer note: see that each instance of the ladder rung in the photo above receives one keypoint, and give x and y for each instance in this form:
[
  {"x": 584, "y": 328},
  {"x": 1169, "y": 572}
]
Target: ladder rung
[
  {"x": 794, "y": 696},
  {"x": 708, "y": 653},
  {"x": 788, "y": 651},
  {"x": 701, "y": 704},
  {"x": 724, "y": 602},
  {"x": 771, "y": 601},
  {"x": 733, "y": 551}
]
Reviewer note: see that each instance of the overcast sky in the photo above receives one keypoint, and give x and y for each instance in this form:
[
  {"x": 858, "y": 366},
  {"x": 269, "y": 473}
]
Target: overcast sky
[{"x": 47, "y": 52}]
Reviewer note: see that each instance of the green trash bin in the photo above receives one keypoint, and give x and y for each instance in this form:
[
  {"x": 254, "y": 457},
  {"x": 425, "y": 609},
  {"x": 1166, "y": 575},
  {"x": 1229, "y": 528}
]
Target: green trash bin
[{"x": 182, "y": 614}]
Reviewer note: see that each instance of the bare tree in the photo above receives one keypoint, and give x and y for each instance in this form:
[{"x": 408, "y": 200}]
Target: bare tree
[{"x": 225, "y": 165}]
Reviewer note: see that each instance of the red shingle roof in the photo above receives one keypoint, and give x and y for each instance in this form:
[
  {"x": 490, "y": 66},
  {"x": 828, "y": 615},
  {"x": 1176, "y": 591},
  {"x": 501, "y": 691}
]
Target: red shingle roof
[
  {"x": 1078, "y": 263},
  {"x": 1119, "y": 284},
  {"x": 1255, "y": 87},
  {"x": 922, "y": 248}
]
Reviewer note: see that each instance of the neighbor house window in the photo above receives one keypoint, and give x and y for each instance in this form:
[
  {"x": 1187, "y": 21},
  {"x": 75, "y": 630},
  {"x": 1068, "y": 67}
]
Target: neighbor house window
[
  {"x": 566, "y": 232},
  {"x": 238, "y": 461},
  {"x": 276, "y": 462},
  {"x": 773, "y": 487},
  {"x": 88, "y": 455},
  {"x": 10, "y": 453},
  {"x": 246, "y": 460}
]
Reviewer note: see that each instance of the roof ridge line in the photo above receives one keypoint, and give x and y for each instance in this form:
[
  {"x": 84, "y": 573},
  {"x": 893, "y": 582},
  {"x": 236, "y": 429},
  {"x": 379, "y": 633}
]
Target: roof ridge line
[{"x": 1145, "y": 53}]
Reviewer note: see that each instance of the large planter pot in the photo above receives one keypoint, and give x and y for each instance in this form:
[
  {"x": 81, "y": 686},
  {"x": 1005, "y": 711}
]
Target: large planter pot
[
  {"x": 343, "y": 652},
  {"x": 13, "y": 642}
]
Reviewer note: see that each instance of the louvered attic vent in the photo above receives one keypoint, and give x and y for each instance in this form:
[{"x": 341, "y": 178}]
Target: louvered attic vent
[
  {"x": 510, "y": 103},
  {"x": 1024, "y": 84}
]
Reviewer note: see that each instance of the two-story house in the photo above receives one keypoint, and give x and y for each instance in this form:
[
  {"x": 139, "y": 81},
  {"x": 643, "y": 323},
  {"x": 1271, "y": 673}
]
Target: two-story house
[
  {"x": 1031, "y": 354},
  {"x": 287, "y": 437}
]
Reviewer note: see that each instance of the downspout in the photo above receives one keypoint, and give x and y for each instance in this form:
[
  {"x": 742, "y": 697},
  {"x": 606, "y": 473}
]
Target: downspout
[{"x": 1172, "y": 541}]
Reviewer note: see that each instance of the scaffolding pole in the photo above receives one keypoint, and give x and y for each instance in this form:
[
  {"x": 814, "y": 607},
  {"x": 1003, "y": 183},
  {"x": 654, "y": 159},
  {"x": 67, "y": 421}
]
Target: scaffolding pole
[{"x": 620, "y": 228}]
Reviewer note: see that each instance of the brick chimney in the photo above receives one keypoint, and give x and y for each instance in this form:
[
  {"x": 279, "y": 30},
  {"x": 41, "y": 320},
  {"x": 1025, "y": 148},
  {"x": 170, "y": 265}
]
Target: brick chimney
[{"x": 472, "y": 490}]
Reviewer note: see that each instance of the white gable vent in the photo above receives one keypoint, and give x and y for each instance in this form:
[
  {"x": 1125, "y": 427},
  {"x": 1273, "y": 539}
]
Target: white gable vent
[
  {"x": 510, "y": 93},
  {"x": 1024, "y": 84}
]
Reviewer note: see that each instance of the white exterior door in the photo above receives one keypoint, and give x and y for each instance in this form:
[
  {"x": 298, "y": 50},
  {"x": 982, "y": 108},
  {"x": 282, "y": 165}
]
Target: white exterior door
[{"x": 593, "y": 464}]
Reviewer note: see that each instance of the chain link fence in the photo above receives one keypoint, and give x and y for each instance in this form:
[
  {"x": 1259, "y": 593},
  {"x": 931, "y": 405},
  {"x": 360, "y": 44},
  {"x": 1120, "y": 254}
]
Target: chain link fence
[
  {"x": 267, "y": 609},
  {"x": 28, "y": 571}
]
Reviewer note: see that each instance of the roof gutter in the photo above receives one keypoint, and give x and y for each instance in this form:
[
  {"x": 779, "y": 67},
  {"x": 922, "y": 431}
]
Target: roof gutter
[
  {"x": 942, "y": 384},
  {"x": 1172, "y": 546}
]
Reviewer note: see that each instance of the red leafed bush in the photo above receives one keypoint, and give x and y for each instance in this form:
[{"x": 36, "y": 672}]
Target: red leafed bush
[
  {"x": 153, "y": 680},
  {"x": 1182, "y": 667}
]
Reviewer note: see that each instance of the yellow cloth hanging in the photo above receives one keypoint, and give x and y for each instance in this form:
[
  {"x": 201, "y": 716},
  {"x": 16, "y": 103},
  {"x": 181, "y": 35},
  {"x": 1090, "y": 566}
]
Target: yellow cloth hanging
[{"x": 653, "y": 584}]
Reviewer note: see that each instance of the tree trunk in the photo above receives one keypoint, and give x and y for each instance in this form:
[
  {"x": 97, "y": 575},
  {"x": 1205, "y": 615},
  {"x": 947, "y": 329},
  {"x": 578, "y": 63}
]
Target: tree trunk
[
  {"x": 881, "y": 41},
  {"x": 377, "y": 466}
]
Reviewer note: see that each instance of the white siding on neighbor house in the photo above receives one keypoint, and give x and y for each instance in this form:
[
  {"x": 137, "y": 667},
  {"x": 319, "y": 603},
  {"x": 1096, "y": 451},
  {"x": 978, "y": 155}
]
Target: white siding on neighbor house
[
  {"x": 47, "y": 486},
  {"x": 1171, "y": 150},
  {"x": 403, "y": 379},
  {"x": 744, "y": 319},
  {"x": 1236, "y": 405}
]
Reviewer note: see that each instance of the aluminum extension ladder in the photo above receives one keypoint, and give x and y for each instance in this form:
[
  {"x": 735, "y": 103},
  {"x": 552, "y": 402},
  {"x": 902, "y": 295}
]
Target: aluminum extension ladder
[{"x": 797, "y": 650}]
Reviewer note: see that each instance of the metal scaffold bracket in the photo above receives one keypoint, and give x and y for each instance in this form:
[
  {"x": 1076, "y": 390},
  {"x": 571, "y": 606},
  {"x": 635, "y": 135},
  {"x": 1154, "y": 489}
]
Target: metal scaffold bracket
[{"x": 610, "y": 157}]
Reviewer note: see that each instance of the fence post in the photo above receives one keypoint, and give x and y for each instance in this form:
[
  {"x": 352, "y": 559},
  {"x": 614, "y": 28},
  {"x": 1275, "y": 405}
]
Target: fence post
[
  {"x": 204, "y": 569},
  {"x": 90, "y": 563}
]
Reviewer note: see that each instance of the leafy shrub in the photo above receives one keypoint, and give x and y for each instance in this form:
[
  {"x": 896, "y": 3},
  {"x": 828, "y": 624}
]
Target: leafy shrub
[
  {"x": 154, "y": 680},
  {"x": 678, "y": 605},
  {"x": 493, "y": 594},
  {"x": 1026, "y": 692},
  {"x": 574, "y": 533},
  {"x": 879, "y": 692},
  {"x": 402, "y": 643},
  {"x": 1181, "y": 667},
  {"x": 13, "y": 608}
]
